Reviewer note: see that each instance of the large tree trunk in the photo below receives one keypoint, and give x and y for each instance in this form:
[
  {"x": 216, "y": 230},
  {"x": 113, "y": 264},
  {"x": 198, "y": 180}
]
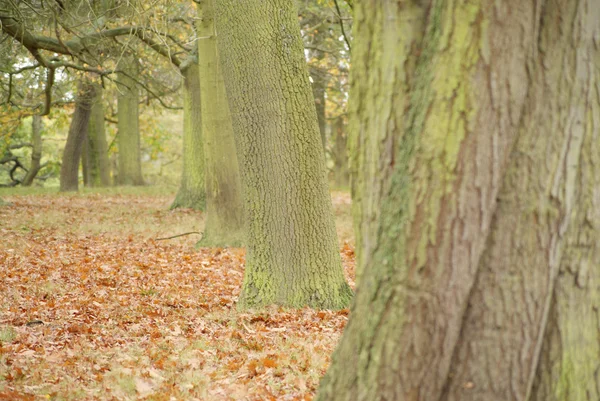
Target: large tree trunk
[
  {"x": 97, "y": 145},
  {"x": 69, "y": 170},
  {"x": 543, "y": 225},
  {"x": 191, "y": 193},
  {"x": 478, "y": 225},
  {"x": 36, "y": 152},
  {"x": 130, "y": 162},
  {"x": 319, "y": 88},
  {"x": 224, "y": 209},
  {"x": 292, "y": 251}
]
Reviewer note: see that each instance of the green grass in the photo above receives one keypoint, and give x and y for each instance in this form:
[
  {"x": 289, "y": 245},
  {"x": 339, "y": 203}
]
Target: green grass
[
  {"x": 146, "y": 190},
  {"x": 7, "y": 334}
]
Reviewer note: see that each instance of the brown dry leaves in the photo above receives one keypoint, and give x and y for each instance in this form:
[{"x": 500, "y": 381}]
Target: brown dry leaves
[{"x": 92, "y": 307}]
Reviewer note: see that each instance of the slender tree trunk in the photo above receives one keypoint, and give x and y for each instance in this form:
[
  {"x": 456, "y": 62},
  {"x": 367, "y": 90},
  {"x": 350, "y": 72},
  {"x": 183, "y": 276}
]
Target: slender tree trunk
[
  {"x": 292, "y": 251},
  {"x": 36, "y": 152},
  {"x": 130, "y": 162},
  {"x": 86, "y": 167},
  {"x": 98, "y": 147},
  {"x": 69, "y": 170},
  {"x": 191, "y": 193},
  {"x": 224, "y": 209},
  {"x": 340, "y": 154}
]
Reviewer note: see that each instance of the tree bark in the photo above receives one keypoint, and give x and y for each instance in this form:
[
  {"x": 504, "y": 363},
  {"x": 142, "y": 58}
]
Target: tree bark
[
  {"x": 36, "y": 151},
  {"x": 488, "y": 290},
  {"x": 69, "y": 170},
  {"x": 192, "y": 193},
  {"x": 433, "y": 140},
  {"x": 341, "y": 174},
  {"x": 224, "y": 209},
  {"x": 542, "y": 229},
  {"x": 85, "y": 160},
  {"x": 98, "y": 147},
  {"x": 319, "y": 87},
  {"x": 130, "y": 163},
  {"x": 292, "y": 254}
]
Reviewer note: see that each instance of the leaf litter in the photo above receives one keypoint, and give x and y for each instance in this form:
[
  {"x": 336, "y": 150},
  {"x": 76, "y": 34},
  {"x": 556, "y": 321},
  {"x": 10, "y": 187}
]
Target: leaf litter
[{"x": 93, "y": 307}]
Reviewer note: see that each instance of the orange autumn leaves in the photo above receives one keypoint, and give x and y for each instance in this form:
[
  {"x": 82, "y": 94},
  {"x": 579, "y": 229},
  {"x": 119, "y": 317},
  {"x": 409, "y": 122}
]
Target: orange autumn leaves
[{"x": 94, "y": 308}]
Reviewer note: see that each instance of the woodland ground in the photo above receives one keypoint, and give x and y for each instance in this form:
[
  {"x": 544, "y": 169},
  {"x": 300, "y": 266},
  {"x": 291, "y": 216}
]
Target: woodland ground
[{"x": 92, "y": 306}]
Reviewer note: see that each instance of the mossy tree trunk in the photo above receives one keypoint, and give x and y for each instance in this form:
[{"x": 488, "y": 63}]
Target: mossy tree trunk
[
  {"x": 319, "y": 88},
  {"x": 339, "y": 152},
  {"x": 97, "y": 145},
  {"x": 85, "y": 160},
  {"x": 292, "y": 254},
  {"x": 128, "y": 139},
  {"x": 224, "y": 209},
  {"x": 36, "y": 151},
  {"x": 191, "y": 193},
  {"x": 478, "y": 207},
  {"x": 69, "y": 170}
]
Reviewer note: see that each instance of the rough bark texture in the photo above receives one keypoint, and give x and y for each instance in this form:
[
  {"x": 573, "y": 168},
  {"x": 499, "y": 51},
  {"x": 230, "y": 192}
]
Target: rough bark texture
[
  {"x": 85, "y": 160},
  {"x": 542, "y": 207},
  {"x": 569, "y": 364},
  {"x": 69, "y": 170},
  {"x": 484, "y": 196},
  {"x": 292, "y": 254},
  {"x": 97, "y": 145},
  {"x": 436, "y": 147},
  {"x": 319, "y": 87},
  {"x": 379, "y": 90},
  {"x": 192, "y": 193},
  {"x": 224, "y": 209},
  {"x": 130, "y": 163},
  {"x": 36, "y": 151}
]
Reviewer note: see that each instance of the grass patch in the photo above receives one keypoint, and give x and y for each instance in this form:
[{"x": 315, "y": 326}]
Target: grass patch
[{"x": 7, "y": 334}]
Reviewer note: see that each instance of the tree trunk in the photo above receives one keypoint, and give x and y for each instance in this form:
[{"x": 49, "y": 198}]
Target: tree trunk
[
  {"x": 292, "y": 251},
  {"x": 224, "y": 209},
  {"x": 477, "y": 212},
  {"x": 319, "y": 87},
  {"x": 341, "y": 174},
  {"x": 542, "y": 222},
  {"x": 69, "y": 170},
  {"x": 98, "y": 147},
  {"x": 130, "y": 163},
  {"x": 36, "y": 152},
  {"x": 85, "y": 159},
  {"x": 191, "y": 193}
]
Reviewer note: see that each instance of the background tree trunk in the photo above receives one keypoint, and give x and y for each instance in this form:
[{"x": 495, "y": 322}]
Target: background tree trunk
[
  {"x": 36, "y": 151},
  {"x": 433, "y": 144},
  {"x": 292, "y": 252},
  {"x": 85, "y": 160},
  {"x": 69, "y": 170},
  {"x": 192, "y": 193},
  {"x": 130, "y": 163},
  {"x": 341, "y": 174},
  {"x": 224, "y": 209},
  {"x": 98, "y": 147}
]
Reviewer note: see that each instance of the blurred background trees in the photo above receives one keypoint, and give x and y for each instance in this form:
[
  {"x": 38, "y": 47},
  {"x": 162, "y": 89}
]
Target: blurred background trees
[{"x": 135, "y": 55}]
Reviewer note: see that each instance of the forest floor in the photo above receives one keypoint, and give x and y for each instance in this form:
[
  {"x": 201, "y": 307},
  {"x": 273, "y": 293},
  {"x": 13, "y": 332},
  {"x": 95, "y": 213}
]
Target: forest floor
[{"x": 93, "y": 306}]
